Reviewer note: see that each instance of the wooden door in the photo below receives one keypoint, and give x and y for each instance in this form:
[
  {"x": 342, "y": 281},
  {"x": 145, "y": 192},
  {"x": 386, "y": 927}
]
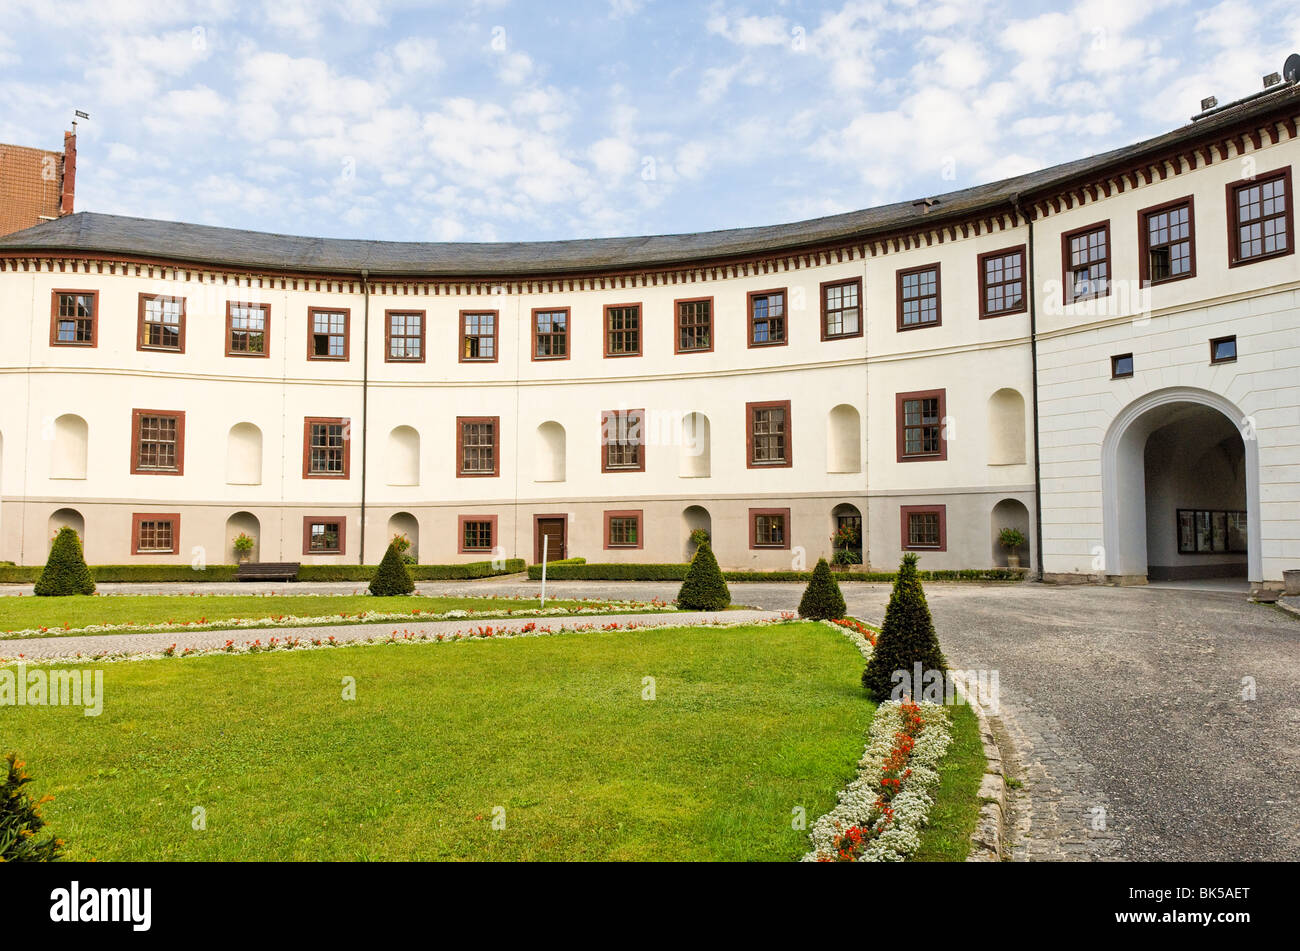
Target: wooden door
[{"x": 552, "y": 528}]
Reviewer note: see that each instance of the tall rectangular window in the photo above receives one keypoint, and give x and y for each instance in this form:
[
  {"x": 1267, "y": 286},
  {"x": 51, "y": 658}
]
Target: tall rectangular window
[
  {"x": 694, "y": 325},
  {"x": 623, "y": 330},
  {"x": 767, "y": 434},
  {"x": 920, "y": 426},
  {"x": 924, "y": 527},
  {"x": 247, "y": 327},
  {"x": 769, "y": 528},
  {"x": 767, "y": 318},
  {"x": 478, "y": 336},
  {"x": 918, "y": 297},
  {"x": 326, "y": 448},
  {"x": 622, "y": 441},
  {"x": 551, "y": 334},
  {"x": 155, "y": 534},
  {"x": 1085, "y": 254},
  {"x": 74, "y": 316},
  {"x": 1002, "y": 282},
  {"x": 157, "y": 442},
  {"x": 323, "y": 536},
  {"x": 404, "y": 336},
  {"x": 477, "y": 445},
  {"x": 842, "y": 309},
  {"x": 327, "y": 334},
  {"x": 1260, "y": 218},
  {"x": 162, "y": 323},
  {"x": 1166, "y": 242}
]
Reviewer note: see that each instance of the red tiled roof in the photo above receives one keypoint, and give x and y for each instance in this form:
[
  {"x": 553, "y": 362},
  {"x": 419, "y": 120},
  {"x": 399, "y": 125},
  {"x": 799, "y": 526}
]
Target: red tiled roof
[{"x": 31, "y": 183}]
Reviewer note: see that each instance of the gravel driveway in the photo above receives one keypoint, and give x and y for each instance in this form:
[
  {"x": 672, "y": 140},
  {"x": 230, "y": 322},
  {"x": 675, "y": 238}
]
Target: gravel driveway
[{"x": 1121, "y": 708}]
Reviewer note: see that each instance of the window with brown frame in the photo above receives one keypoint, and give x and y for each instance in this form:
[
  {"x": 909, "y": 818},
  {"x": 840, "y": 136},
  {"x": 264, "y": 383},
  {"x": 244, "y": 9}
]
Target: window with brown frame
[
  {"x": 157, "y": 442},
  {"x": 327, "y": 334},
  {"x": 1002, "y": 282},
  {"x": 323, "y": 536},
  {"x": 153, "y": 534},
  {"x": 248, "y": 329},
  {"x": 1121, "y": 366},
  {"x": 623, "y": 330},
  {"x": 768, "y": 439},
  {"x": 551, "y": 334},
  {"x": 623, "y": 529},
  {"x": 767, "y": 318},
  {"x": 326, "y": 448},
  {"x": 1166, "y": 242},
  {"x": 1261, "y": 222},
  {"x": 920, "y": 418},
  {"x": 769, "y": 528},
  {"x": 74, "y": 318},
  {"x": 918, "y": 297},
  {"x": 404, "y": 336},
  {"x": 1085, "y": 257},
  {"x": 477, "y": 445},
  {"x": 477, "y": 532},
  {"x": 162, "y": 323},
  {"x": 841, "y": 309},
  {"x": 694, "y": 325},
  {"x": 1223, "y": 349},
  {"x": 478, "y": 336},
  {"x": 924, "y": 527},
  {"x": 622, "y": 440}
]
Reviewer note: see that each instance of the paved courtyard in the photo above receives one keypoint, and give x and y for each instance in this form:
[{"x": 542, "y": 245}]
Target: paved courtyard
[{"x": 1123, "y": 708}]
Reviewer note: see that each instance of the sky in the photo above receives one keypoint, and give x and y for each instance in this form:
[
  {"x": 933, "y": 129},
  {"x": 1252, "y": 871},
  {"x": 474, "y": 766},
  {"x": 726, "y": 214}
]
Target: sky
[{"x": 504, "y": 120}]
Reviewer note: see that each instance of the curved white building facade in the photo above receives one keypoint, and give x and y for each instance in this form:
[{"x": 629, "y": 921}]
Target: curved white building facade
[{"x": 1114, "y": 344}]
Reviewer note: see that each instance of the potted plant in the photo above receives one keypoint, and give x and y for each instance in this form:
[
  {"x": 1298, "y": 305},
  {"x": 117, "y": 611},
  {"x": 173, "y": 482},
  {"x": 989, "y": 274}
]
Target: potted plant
[
  {"x": 1012, "y": 539},
  {"x": 844, "y": 548},
  {"x": 244, "y": 547},
  {"x": 403, "y": 546}
]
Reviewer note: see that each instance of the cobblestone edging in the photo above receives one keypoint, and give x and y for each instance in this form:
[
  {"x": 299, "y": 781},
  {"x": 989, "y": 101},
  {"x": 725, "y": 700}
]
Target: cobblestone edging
[{"x": 986, "y": 842}]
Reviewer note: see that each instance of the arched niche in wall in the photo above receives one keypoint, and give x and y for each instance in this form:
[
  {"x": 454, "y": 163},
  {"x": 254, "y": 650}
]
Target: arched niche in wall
[
  {"x": 844, "y": 439},
  {"x": 1006, "y": 440},
  {"x": 402, "y": 461},
  {"x": 244, "y": 455},
  {"x": 695, "y": 447},
  {"x": 550, "y": 459},
  {"x": 70, "y": 448}
]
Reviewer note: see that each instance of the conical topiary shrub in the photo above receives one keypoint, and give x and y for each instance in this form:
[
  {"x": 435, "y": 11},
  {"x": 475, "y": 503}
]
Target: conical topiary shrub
[
  {"x": 65, "y": 570},
  {"x": 822, "y": 599},
  {"x": 392, "y": 577},
  {"x": 906, "y": 638},
  {"x": 704, "y": 588},
  {"x": 20, "y": 819}
]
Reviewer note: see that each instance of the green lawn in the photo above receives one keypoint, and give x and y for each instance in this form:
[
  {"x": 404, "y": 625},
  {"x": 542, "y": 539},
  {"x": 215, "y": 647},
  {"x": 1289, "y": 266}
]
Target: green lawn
[
  {"x": 956, "y": 799},
  {"x": 17, "y": 614},
  {"x": 748, "y": 723}
]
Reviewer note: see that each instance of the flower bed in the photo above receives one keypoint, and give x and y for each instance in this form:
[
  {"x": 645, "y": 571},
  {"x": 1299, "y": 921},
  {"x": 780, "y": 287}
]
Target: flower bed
[
  {"x": 881, "y": 812},
  {"x": 404, "y": 636},
  {"x": 362, "y": 617}
]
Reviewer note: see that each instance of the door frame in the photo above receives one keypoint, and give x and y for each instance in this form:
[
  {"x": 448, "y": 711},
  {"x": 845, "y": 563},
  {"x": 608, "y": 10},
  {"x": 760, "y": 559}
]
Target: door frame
[{"x": 563, "y": 519}]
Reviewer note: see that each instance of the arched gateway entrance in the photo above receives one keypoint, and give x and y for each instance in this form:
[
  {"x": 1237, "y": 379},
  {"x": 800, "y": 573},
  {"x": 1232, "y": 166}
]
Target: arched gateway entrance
[{"x": 1180, "y": 489}]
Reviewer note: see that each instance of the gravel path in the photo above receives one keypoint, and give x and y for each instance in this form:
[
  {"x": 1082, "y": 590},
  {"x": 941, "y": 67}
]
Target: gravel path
[{"x": 1121, "y": 708}]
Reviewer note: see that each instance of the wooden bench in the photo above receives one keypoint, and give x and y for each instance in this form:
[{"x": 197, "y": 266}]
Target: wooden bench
[{"x": 269, "y": 571}]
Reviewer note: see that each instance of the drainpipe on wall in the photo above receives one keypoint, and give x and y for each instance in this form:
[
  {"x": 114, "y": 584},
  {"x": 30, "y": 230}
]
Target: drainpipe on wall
[
  {"x": 365, "y": 403},
  {"x": 1033, "y": 363}
]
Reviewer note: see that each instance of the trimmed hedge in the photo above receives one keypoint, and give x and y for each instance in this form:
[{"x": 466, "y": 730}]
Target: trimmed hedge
[
  {"x": 704, "y": 588},
  {"x": 822, "y": 600},
  {"x": 27, "y": 574},
  {"x": 557, "y": 571},
  {"x": 66, "y": 571},
  {"x": 393, "y": 577}
]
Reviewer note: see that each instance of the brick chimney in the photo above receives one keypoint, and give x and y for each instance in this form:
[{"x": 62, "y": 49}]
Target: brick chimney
[{"x": 69, "y": 173}]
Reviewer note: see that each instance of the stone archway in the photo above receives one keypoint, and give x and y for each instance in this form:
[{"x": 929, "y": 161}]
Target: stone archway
[{"x": 1126, "y": 526}]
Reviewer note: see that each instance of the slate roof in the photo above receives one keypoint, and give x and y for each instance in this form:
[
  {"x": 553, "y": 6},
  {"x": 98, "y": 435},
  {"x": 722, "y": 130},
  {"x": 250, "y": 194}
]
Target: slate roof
[{"x": 229, "y": 247}]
